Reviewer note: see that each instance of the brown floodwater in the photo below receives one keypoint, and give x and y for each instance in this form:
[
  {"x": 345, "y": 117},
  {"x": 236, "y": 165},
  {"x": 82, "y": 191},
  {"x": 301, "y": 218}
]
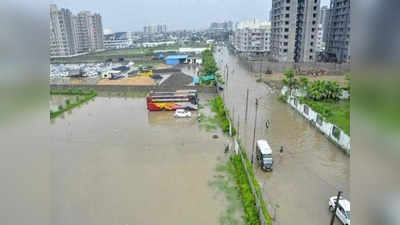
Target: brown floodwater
[
  {"x": 309, "y": 171},
  {"x": 115, "y": 163}
]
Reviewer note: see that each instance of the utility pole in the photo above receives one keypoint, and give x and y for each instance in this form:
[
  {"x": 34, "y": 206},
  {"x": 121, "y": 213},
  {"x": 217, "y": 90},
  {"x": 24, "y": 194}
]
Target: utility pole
[
  {"x": 247, "y": 105},
  {"x": 336, "y": 206},
  {"x": 238, "y": 126},
  {"x": 227, "y": 75},
  {"x": 254, "y": 133}
]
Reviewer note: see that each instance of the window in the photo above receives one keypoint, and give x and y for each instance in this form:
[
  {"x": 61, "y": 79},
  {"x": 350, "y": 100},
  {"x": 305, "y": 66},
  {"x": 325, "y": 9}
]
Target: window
[
  {"x": 312, "y": 43},
  {"x": 312, "y": 29},
  {"x": 288, "y": 1},
  {"x": 285, "y": 50},
  {"x": 312, "y": 36},
  {"x": 319, "y": 120},
  {"x": 287, "y": 8},
  {"x": 285, "y": 44},
  {"x": 313, "y": 22},
  {"x": 286, "y": 29},
  {"x": 314, "y": 15},
  {"x": 286, "y": 36},
  {"x": 315, "y": 8},
  {"x": 311, "y": 57},
  {"x": 286, "y": 22},
  {"x": 287, "y": 15},
  {"x": 311, "y": 50}
]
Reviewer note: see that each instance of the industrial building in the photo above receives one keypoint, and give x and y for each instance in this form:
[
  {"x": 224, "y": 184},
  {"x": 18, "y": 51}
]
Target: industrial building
[
  {"x": 294, "y": 27},
  {"x": 118, "y": 40},
  {"x": 338, "y": 40},
  {"x": 176, "y": 59},
  {"x": 252, "y": 37}
]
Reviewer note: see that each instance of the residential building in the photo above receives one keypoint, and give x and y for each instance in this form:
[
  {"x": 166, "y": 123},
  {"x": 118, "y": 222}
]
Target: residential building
[
  {"x": 294, "y": 28},
  {"x": 155, "y": 29},
  {"x": 62, "y": 41},
  {"x": 320, "y": 39},
  {"x": 74, "y": 34},
  {"x": 224, "y": 26},
  {"x": 323, "y": 19},
  {"x": 338, "y": 40},
  {"x": 252, "y": 37},
  {"x": 89, "y": 32}
]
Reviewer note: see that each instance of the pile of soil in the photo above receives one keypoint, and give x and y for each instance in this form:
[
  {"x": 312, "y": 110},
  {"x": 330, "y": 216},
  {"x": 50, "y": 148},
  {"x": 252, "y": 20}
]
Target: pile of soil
[
  {"x": 137, "y": 80},
  {"x": 178, "y": 79}
]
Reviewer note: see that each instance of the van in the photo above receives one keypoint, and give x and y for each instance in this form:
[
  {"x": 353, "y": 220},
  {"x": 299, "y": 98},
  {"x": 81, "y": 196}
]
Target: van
[{"x": 264, "y": 155}]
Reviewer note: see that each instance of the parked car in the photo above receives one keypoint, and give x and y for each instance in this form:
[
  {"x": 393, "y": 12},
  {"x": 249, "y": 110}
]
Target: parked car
[
  {"x": 343, "y": 210},
  {"x": 181, "y": 113}
]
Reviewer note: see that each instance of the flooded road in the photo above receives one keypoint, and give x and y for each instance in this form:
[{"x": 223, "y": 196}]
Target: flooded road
[
  {"x": 308, "y": 172},
  {"x": 115, "y": 163}
]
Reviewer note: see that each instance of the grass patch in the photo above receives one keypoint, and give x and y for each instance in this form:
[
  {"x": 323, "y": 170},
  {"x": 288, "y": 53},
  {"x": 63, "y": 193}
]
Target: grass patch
[
  {"x": 222, "y": 115},
  {"x": 225, "y": 183},
  {"x": 336, "y": 112},
  {"x": 206, "y": 122},
  {"x": 81, "y": 97}
]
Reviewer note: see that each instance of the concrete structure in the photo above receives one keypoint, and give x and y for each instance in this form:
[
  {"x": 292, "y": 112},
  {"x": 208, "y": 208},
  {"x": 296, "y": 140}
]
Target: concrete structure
[
  {"x": 62, "y": 41},
  {"x": 320, "y": 39},
  {"x": 71, "y": 35},
  {"x": 118, "y": 40},
  {"x": 176, "y": 59},
  {"x": 155, "y": 44},
  {"x": 294, "y": 28},
  {"x": 338, "y": 40},
  {"x": 89, "y": 32},
  {"x": 224, "y": 26},
  {"x": 252, "y": 37},
  {"x": 154, "y": 29}
]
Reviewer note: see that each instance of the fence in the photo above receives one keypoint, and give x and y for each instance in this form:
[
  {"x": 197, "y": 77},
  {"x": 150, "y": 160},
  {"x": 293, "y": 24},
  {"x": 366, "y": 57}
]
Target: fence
[
  {"x": 258, "y": 199},
  {"x": 279, "y": 67},
  {"x": 331, "y": 131}
]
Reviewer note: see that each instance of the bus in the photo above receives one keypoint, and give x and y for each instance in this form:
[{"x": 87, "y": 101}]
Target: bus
[{"x": 169, "y": 101}]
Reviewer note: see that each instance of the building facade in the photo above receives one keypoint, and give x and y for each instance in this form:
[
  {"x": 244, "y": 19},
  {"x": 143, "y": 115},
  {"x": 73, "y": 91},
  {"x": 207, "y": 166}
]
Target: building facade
[
  {"x": 338, "y": 39},
  {"x": 73, "y": 34},
  {"x": 320, "y": 39},
  {"x": 89, "y": 32},
  {"x": 155, "y": 29},
  {"x": 62, "y": 42},
  {"x": 294, "y": 30},
  {"x": 252, "y": 37},
  {"x": 118, "y": 40}
]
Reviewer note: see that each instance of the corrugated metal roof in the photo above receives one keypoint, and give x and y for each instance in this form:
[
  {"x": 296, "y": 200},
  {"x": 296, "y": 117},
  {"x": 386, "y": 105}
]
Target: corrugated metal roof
[{"x": 177, "y": 57}]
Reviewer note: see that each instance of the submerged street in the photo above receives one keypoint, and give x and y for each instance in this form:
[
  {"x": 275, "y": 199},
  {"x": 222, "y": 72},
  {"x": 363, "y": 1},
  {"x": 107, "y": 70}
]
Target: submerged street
[{"x": 309, "y": 171}]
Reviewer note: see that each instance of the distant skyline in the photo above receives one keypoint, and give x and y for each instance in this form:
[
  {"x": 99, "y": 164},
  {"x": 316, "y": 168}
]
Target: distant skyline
[{"x": 125, "y": 15}]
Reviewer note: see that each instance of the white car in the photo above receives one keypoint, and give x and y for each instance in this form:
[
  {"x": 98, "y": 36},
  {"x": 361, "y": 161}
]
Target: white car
[
  {"x": 181, "y": 113},
  {"x": 343, "y": 210}
]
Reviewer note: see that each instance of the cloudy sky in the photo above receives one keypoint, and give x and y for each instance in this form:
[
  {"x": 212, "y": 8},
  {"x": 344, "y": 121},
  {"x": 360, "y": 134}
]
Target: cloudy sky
[{"x": 131, "y": 15}]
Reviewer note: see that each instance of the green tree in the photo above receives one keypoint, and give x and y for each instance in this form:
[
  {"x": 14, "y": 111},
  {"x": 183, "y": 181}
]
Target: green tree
[{"x": 290, "y": 81}]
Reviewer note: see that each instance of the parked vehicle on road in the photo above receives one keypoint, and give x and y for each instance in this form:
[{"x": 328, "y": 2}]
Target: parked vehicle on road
[
  {"x": 180, "y": 99},
  {"x": 343, "y": 210},
  {"x": 264, "y": 155},
  {"x": 181, "y": 113}
]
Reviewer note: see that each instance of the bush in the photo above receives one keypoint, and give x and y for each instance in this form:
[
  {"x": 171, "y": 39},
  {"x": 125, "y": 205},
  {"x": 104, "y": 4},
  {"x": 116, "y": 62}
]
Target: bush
[{"x": 217, "y": 106}]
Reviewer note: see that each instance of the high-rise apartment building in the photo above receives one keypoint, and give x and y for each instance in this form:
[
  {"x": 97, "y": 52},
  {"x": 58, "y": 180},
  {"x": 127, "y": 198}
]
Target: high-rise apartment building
[
  {"x": 252, "y": 37},
  {"x": 89, "y": 32},
  {"x": 294, "y": 29},
  {"x": 71, "y": 34},
  {"x": 338, "y": 40},
  {"x": 154, "y": 29},
  {"x": 62, "y": 41},
  {"x": 324, "y": 19}
]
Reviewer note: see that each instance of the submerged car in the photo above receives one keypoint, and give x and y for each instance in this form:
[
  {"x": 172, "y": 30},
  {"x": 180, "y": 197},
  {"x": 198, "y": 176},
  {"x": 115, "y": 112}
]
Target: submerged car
[
  {"x": 343, "y": 210},
  {"x": 181, "y": 113}
]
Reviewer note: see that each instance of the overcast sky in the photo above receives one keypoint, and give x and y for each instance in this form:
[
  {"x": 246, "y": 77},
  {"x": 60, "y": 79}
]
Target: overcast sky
[{"x": 132, "y": 15}]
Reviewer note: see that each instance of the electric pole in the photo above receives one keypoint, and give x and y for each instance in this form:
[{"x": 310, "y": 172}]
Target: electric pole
[
  {"x": 247, "y": 105},
  {"x": 254, "y": 133},
  {"x": 336, "y": 206}
]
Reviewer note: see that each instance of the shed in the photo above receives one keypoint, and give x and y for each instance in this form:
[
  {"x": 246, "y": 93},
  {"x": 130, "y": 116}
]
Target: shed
[
  {"x": 176, "y": 59},
  {"x": 208, "y": 77},
  {"x": 196, "y": 80}
]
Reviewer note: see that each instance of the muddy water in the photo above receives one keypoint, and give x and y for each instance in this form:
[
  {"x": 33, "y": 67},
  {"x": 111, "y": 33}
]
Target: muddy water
[
  {"x": 308, "y": 172},
  {"x": 114, "y": 163},
  {"x": 57, "y": 100}
]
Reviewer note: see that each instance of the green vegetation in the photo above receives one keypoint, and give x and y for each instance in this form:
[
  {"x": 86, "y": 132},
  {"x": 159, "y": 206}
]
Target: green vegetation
[
  {"x": 85, "y": 96},
  {"x": 225, "y": 183},
  {"x": 336, "y": 112},
  {"x": 209, "y": 123},
  {"x": 210, "y": 68},
  {"x": 222, "y": 115},
  {"x": 324, "y": 98}
]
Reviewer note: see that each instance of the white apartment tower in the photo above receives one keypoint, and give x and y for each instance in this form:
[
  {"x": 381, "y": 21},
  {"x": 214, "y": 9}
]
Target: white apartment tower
[
  {"x": 252, "y": 37},
  {"x": 294, "y": 30}
]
